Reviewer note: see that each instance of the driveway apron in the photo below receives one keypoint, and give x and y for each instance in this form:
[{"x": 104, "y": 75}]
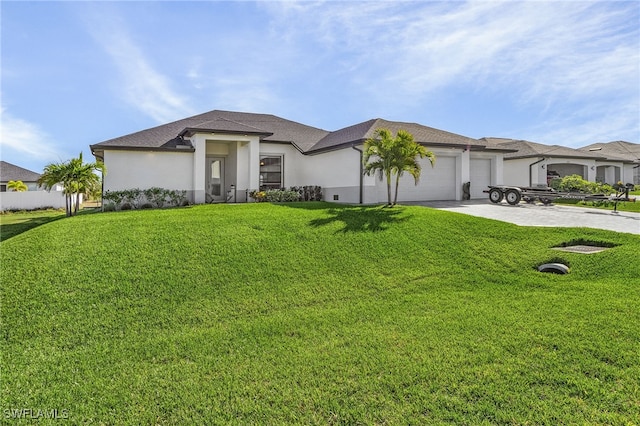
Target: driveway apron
[{"x": 540, "y": 215}]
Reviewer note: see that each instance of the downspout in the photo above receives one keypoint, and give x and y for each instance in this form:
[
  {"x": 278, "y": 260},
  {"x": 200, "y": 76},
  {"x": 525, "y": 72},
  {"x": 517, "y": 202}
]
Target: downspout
[
  {"x": 361, "y": 173},
  {"x": 530, "y": 174}
]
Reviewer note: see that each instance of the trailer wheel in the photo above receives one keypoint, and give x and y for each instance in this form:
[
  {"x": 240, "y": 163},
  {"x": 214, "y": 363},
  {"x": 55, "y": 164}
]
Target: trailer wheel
[
  {"x": 513, "y": 196},
  {"x": 495, "y": 195}
]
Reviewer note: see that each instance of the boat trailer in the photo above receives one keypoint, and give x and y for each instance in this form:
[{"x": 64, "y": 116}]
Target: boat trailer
[{"x": 514, "y": 194}]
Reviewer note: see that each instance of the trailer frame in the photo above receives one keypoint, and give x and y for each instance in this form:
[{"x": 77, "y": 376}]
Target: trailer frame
[{"x": 546, "y": 195}]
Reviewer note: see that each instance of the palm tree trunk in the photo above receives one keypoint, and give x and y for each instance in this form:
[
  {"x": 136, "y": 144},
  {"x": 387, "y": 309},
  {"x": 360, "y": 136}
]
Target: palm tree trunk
[
  {"x": 389, "y": 188},
  {"x": 395, "y": 198}
]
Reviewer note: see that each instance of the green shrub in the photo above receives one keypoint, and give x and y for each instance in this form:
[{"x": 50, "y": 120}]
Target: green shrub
[
  {"x": 113, "y": 197},
  {"x": 132, "y": 197},
  {"x": 145, "y": 199},
  {"x": 176, "y": 198},
  {"x": 281, "y": 196},
  {"x": 295, "y": 193},
  {"x": 155, "y": 195},
  {"x": 308, "y": 193},
  {"x": 555, "y": 183},
  {"x": 575, "y": 183},
  {"x": 258, "y": 196}
]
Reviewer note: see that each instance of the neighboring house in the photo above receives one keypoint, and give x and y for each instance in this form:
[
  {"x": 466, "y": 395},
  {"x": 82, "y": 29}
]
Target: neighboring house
[
  {"x": 534, "y": 164},
  {"x": 222, "y": 155},
  {"x": 34, "y": 198},
  {"x": 621, "y": 163},
  {"x": 9, "y": 172}
]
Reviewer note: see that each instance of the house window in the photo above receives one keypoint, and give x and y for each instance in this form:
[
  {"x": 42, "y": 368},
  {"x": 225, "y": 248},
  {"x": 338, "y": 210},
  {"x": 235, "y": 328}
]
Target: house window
[{"x": 271, "y": 172}]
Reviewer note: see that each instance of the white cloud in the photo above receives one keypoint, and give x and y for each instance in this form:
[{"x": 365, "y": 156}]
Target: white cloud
[
  {"x": 545, "y": 56},
  {"x": 140, "y": 84},
  {"x": 541, "y": 48},
  {"x": 587, "y": 125},
  {"x": 244, "y": 92},
  {"x": 26, "y": 138}
]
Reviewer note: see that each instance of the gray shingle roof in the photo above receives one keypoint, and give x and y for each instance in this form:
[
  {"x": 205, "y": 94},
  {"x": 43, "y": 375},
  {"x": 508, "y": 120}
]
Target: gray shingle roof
[
  {"x": 616, "y": 150},
  {"x": 275, "y": 129},
  {"x": 365, "y": 130},
  {"x": 10, "y": 171},
  {"x": 526, "y": 149},
  {"x": 269, "y": 127}
]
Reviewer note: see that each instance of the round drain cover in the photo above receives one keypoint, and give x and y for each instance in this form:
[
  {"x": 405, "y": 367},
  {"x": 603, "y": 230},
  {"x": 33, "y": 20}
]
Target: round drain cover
[{"x": 554, "y": 268}]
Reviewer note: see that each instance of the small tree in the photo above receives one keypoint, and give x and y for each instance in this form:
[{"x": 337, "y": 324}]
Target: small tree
[
  {"x": 17, "y": 186},
  {"x": 76, "y": 177},
  {"x": 388, "y": 156}
]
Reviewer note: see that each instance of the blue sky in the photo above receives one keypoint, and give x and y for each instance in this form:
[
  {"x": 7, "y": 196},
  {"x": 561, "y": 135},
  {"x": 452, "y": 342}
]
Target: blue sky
[{"x": 78, "y": 73}]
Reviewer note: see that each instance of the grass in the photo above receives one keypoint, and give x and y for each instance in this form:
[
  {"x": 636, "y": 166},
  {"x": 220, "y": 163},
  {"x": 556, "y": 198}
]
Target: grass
[
  {"x": 14, "y": 223},
  {"x": 625, "y": 206},
  {"x": 313, "y": 313}
]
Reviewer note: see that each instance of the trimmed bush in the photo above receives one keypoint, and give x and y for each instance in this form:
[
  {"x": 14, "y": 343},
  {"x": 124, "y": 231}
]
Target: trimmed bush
[
  {"x": 295, "y": 193},
  {"x": 575, "y": 183},
  {"x": 145, "y": 199}
]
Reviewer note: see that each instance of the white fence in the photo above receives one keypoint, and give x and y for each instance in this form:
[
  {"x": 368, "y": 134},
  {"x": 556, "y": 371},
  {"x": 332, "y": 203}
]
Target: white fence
[{"x": 31, "y": 200}]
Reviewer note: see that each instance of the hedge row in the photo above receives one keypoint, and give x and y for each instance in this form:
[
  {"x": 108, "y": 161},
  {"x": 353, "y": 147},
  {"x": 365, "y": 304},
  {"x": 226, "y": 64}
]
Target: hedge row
[
  {"x": 295, "y": 193},
  {"x": 144, "y": 198}
]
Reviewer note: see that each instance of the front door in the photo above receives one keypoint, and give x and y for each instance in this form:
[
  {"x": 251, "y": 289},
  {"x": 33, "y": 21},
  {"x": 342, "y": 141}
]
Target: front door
[{"x": 215, "y": 179}]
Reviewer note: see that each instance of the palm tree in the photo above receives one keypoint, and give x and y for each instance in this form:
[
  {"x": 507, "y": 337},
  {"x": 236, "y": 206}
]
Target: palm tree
[
  {"x": 17, "y": 186},
  {"x": 393, "y": 156},
  {"x": 84, "y": 179},
  {"x": 53, "y": 174},
  {"x": 76, "y": 178}
]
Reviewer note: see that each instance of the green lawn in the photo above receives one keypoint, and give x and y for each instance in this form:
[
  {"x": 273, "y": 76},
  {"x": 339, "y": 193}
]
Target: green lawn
[
  {"x": 623, "y": 206},
  {"x": 314, "y": 313},
  {"x": 12, "y": 224}
]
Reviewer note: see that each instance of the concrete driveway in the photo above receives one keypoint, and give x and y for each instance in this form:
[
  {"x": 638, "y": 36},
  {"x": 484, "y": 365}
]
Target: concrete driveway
[{"x": 541, "y": 215}]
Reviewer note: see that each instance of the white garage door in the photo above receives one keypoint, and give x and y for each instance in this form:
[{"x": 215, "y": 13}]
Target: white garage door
[
  {"x": 480, "y": 176},
  {"x": 436, "y": 183}
]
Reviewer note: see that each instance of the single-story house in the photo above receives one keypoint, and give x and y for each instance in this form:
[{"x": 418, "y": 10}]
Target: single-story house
[
  {"x": 621, "y": 163},
  {"x": 34, "y": 198},
  {"x": 224, "y": 155},
  {"x": 9, "y": 172},
  {"x": 534, "y": 164}
]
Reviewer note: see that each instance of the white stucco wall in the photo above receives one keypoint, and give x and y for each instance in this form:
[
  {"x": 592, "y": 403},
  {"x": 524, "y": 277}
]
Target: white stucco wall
[
  {"x": 613, "y": 171},
  {"x": 516, "y": 172},
  {"x": 146, "y": 169},
  {"x": 31, "y": 200},
  {"x": 338, "y": 172},
  {"x": 294, "y": 163},
  {"x": 631, "y": 173}
]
